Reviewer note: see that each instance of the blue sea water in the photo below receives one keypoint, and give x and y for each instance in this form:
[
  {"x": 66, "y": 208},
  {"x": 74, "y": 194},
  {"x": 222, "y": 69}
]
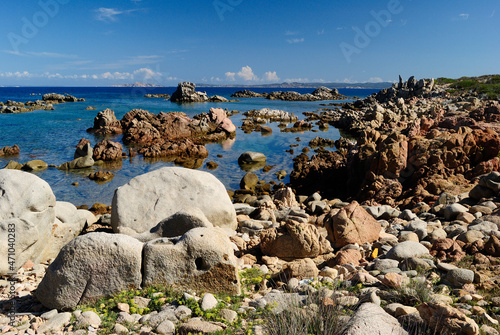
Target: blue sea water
[{"x": 53, "y": 135}]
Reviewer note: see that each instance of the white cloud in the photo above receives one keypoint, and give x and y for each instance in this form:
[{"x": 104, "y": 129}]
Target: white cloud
[
  {"x": 290, "y": 33},
  {"x": 463, "y": 17},
  {"x": 146, "y": 74},
  {"x": 271, "y": 76},
  {"x": 24, "y": 74},
  {"x": 321, "y": 32},
  {"x": 17, "y": 53},
  {"x": 110, "y": 14},
  {"x": 231, "y": 76},
  {"x": 493, "y": 13},
  {"x": 247, "y": 73},
  {"x": 296, "y": 40},
  {"x": 52, "y": 55}
]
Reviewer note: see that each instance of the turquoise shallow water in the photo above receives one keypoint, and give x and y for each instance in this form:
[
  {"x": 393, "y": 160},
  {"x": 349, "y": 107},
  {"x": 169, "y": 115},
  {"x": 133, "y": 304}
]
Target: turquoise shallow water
[{"x": 52, "y": 135}]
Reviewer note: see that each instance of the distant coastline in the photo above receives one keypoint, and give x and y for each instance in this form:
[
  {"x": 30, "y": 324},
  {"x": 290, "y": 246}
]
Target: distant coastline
[{"x": 377, "y": 86}]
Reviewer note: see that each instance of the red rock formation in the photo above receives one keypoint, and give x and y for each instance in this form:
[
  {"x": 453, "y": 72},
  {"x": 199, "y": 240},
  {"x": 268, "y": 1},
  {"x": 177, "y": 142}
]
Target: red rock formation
[
  {"x": 10, "y": 151},
  {"x": 108, "y": 151}
]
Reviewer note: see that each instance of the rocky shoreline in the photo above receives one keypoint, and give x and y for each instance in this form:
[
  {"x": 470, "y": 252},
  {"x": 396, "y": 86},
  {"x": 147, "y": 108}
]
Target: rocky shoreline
[
  {"x": 396, "y": 232},
  {"x": 47, "y": 102},
  {"x": 321, "y": 93}
]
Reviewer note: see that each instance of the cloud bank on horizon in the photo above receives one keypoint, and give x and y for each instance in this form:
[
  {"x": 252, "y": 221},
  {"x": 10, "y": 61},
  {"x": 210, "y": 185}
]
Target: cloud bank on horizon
[{"x": 60, "y": 42}]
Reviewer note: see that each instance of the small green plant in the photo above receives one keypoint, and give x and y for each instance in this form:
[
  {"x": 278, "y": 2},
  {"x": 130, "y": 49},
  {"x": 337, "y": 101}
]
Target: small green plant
[
  {"x": 311, "y": 316},
  {"x": 252, "y": 279},
  {"x": 414, "y": 293}
]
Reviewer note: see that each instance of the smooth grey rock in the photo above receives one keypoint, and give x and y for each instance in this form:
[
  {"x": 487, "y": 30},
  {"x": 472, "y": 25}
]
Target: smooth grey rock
[
  {"x": 407, "y": 249},
  {"x": 459, "y": 277},
  {"x": 419, "y": 227},
  {"x": 69, "y": 223},
  {"x": 483, "y": 226},
  {"x": 120, "y": 329},
  {"x": 88, "y": 318},
  {"x": 85, "y": 264},
  {"x": 156, "y": 319},
  {"x": 148, "y": 199},
  {"x": 55, "y": 324},
  {"x": 446, "y": 266},
  {"x": 182, "y": 312},
  {"x": 437, "y": 234},
  {"x": 49, "y": 315},
  {"x": 243, "y": 209},
  {"x": 371, "y": 319},
  {"x": 450, "y": 212},
  {"x": 384, "y": 212},
  {"x": 228, "y": 314},
  {"x": 471, "y": 236},
  {"x": 250, "y": 157},
  {"x": 381, "y": 264},
  {"x": 165, "y": 328},
  {"x": 407, "y": 215},
  {"x": 177, "y": 225},
  {"x": 195, "y": 326},
  {"x": 26, "y": 203},
  {"x": 202, "y": 260},
  {"x": 78, "y": 163},
  {"x": 208, "y": 302}
]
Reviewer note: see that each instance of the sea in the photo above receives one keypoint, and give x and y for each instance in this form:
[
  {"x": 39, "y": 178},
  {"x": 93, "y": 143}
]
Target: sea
[{"x": 53, "y": 135}]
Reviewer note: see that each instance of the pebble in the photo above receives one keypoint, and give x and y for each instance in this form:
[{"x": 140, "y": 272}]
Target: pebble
[{"x": 209, "y": 301}]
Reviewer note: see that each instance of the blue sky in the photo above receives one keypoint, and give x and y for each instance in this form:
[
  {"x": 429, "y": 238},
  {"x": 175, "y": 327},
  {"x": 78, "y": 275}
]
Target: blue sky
[{"x": 101, "y": 43}]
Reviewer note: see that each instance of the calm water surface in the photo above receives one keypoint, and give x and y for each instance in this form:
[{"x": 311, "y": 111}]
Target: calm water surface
[{"x": 52, "y": 135}]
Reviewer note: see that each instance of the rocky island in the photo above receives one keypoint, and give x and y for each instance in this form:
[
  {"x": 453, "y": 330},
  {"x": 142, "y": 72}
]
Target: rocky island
[
  {"x": 47, "y": 102},
  {"x": 321, "y": 93}
]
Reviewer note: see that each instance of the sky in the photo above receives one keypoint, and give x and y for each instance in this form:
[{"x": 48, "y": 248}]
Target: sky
[{"x": 163, "y": 42}]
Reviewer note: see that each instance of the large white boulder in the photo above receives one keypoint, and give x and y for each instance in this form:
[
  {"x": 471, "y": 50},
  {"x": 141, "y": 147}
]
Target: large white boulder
[
  {"x": 91, "y": 266},
  {"x": 150, "y": 198},
  {"x": 68, "y": 224},
  {"x": 26, "y": 206},
  {"x": 201, "y": 260},
  {"x": 31, "y": 218}
]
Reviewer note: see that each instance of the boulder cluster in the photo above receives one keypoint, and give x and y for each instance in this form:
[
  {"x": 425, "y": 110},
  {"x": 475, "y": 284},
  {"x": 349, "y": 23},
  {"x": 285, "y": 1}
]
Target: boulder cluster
[
  {"x": 414, "y": 142},
  {"x": 167, "y": 135},
  {"x": 321, "y": 93},
  {"x": 47, "y": 102},
  {"x": 186, "y": 93}
]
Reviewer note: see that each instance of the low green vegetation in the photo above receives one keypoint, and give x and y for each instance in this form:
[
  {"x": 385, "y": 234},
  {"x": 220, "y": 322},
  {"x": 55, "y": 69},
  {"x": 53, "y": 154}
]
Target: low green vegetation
[{"x": 484, "y": 85}]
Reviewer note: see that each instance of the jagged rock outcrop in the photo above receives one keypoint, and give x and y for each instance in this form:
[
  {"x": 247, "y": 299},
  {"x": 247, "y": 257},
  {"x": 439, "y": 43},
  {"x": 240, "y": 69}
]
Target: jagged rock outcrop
[
  {"x": 55, "y": 98},
  {"x": 248, "y": 94},
  {"x": 10, "y": 151},
  {"x": 321, "y": 93},
  {"x": 186, "y": 92},
  {"x": 106, "y": 123},
  {"x": 107, "y": 151}
]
